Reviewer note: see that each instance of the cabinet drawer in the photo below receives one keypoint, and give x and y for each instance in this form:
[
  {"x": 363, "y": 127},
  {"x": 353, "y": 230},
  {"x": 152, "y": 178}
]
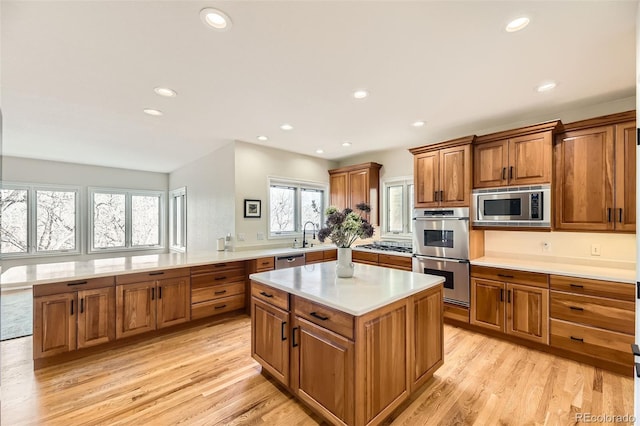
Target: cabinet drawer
[
  {"x": 270, "y": 295},
  {"x": 325, "y": 316},
  {"x": 314, "y": 257},
  {"x": 615, "y": 315},
  {"x": 598, "y": 288},
  {"x": 603, "y": 344},
  {"x": 218, "y": 306},
  {"x": 364, "y": 257},
  {"x": 398, "y": 262},
  {"x": 330, "y": 254},
  {"x": 214, "y": 292},
  {"x": 152, "y": 276},
  {"x": 216, "y": 267},
  {"x": 70, "y": 286},
  {"x": 511, "y": 275},
  {"x": 214, "y": 278},
  {"x": 265, "y": 264}
]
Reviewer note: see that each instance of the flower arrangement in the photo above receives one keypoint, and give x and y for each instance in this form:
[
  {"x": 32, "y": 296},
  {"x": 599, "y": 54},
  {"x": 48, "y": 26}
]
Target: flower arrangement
[{"x": 346, "y": 226}]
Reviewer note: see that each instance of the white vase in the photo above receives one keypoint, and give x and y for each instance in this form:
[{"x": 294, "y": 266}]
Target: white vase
[{"x": 345, "y": 267}]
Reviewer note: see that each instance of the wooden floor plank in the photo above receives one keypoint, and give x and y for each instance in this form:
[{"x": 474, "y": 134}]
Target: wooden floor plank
[{"x": 205, "y": 376}]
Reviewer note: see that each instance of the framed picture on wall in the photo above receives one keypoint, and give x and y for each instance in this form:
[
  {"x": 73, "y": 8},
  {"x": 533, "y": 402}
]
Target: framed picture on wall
[{"x": 252, "y": 208}]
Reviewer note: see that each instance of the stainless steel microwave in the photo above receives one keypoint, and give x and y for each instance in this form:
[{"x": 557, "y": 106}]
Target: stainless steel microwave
[{"x": 523, "y": 206}]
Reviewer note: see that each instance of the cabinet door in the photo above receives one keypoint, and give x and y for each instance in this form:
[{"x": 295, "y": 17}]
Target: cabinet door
[
  {"x": 490, "y": 164},
  {"x": 625, "y": 197},
  {"x": 358, "y": 188},
  {"x": 338, "y": 190},
  {"x": 427, "y": 340},
  {"x": 96, "y": 316},
  {"x": 455, "y": 176},
  {"x": 323, "y": 371},
  {"x": 487, "y": 304},
  {"x": 584, "y": 180},
  {"x": 135, "y": 308},
  {"x": 427, "y": 175},
  {"x": 530, "y": 159},
  {"x": 528, "y": 312},
  {"x": 54, "y": 330},
  {"x": 173, "y": 301},
  {"x": 270, "y": 342}
]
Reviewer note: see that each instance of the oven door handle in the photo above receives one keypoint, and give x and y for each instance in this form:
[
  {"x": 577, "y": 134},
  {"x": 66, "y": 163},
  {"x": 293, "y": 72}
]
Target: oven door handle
[
  {"x": 439, "y": 218},
  {"x": 440, "y": 259}
]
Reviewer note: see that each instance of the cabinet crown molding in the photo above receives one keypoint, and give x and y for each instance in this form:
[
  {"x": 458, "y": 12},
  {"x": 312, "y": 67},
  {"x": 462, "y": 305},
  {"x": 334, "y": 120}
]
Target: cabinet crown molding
[
  {"x": 356, "y": 167},
  {"x": 604, "y": 120},
  {"x": 521, "y": 131},
  {"x": 447, "y": 144}
]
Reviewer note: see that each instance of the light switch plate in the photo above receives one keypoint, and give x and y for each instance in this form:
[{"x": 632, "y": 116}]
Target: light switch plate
[
  {"x": 595, "y": 249},
  {"x": 260, "y": 236},
  {"x": 241, "y": 236}
]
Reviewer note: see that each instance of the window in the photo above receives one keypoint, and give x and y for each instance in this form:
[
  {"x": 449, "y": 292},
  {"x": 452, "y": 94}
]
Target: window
[
  {"x": 397, "y": 201},
  {"x": 122, "y": 219},
  {"x": 38, "y": 220},
  {"x": 178, "y": 219},
  {"x": 294, "y": 203}
]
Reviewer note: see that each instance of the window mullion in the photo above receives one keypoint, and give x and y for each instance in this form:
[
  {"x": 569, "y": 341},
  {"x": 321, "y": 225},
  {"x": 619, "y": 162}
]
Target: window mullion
[{"x": 127, "y": 220}]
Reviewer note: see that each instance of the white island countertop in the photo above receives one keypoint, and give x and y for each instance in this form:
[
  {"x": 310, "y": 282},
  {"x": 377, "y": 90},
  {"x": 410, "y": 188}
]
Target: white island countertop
[{"x": 370, "y": 288}]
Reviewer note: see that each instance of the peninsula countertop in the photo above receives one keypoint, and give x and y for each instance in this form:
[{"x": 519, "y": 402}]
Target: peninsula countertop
[{"x": 371, "y": 287}]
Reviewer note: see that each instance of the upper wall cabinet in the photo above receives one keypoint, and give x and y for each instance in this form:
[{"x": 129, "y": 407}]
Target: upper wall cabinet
[
  {"x": 514, "y": 157},
  {"x": 442, "y": 173},
  {"x": 595, "y": 174},
  {"x": 356, "y": 184}
]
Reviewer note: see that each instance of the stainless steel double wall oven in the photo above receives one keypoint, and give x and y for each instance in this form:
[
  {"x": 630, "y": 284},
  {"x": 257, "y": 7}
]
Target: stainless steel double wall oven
[{"x": 441, "y": 247}]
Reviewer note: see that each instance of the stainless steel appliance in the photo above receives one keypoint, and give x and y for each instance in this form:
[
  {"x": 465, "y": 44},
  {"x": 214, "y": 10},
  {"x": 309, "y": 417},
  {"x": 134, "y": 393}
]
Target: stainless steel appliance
[
  {"x": 290, "y": 261},
  {"x": 441, "y": 247},
  {"x": 523, "y": 206},
  {"x": 391, "y": 246}
]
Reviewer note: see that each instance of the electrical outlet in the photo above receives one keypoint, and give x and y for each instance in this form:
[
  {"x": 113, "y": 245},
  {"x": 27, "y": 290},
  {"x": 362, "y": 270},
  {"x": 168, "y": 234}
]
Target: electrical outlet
[
  {"x": 595, "y": 249},
  {"x": 241, "y": 236},
  {"x": 546, "y": 246},
  {"x": 260, "y": 236}
]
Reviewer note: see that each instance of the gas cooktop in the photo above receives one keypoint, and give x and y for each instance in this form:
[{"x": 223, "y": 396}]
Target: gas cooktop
[{"x": 387, "y": 246}]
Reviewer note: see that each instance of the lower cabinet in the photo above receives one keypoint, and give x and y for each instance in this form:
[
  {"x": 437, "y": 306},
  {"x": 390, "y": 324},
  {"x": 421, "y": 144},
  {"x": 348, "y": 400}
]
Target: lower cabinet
[
  {"x": 217, "y": 288},
  {"x": 320, "y": 256},
  {"x": 386, "y": 260},
  {"x": 270, "y": 339}
]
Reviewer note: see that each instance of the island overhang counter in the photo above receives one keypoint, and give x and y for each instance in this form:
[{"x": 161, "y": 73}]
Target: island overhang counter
[{"x": 352, "y": 349}]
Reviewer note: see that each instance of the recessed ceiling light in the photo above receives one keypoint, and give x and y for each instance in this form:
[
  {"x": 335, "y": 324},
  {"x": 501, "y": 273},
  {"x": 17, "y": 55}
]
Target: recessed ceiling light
[
  {"x": 165, "y": 91},
  {"x": 419, "y": 123},
  {"x": 215, "y": 19},
  {"x": 360, "y": 94},
  {"x": 286, "y": 126},
  {"x": 263, "y": 138},
  {"x": 517, "y": 24},
  {"x": 545, "y": 87},
  {"x": 346, "y": 143},
  {"x": 319, "y": 151},
  {"x": 154, "y": 112}
]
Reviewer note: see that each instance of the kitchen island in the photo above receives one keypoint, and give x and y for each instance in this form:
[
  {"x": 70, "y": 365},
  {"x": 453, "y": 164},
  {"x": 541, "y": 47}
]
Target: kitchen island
[{"x": 352, "y": 349}]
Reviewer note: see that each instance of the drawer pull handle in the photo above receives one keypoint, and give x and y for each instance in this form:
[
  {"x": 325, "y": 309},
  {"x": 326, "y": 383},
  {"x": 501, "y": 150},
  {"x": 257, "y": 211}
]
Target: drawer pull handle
[
  {"x": 620, "y": 216},
  {"x": 265, "y": 263},
  {"x": 510, "y": 172},
  {"x": 72, "y": 307},
  {"x": 78, "y": 283},
  {"x": 82, "y": 305},
  {"x": 320, "y": 317},
  {"x": 501, "y": 295},
  {"x": 576, "y": 286},
  {"x": 220, "y": 278},
  {"x": 282, "y": 330},
  {"x": 156, "y": 273},
  {"x": 635, "y": 350},
  {"x": 153, "y": 293},
  {"x": 220, "y": 292},
  {"x": 293, "y": 337},
  {"x": 609, "y": 215},
  {"x": 504, "y": 171},
  {"x": 220, "y": 307},
  {"x": 505, "y": 276},
  {"x": 576, "y": 308},
  {"x": 265, "y": 294},
  {"x": 508, "y": 296},
  {"x": 577, "y": 339},
  {"x": 637, "y": 369},
  {"x": 219, "y": 265},
  {"x": 160, "y": 292},
  {"x": 435, "y": 195}
]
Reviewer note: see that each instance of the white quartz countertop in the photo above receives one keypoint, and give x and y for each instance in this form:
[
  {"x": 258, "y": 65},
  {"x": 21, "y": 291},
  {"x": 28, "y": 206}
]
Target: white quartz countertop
[
  {"x": 370, "y": 288},
  {"x": 19, "y": 276},
  {"x": 598, "y": 270}
]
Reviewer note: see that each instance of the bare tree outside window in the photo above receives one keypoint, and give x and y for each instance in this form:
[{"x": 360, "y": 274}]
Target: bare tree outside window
[
  {"x": 282, "y": 205},
  {"x": 108, "y": 220},
  {"x": 56, "y": 220},
  {"x": 145, "y": 220},
  {"x": 311, "y": 206},
  {"x": 395, "y": 200},
  {"x": 14, "y": 221}
]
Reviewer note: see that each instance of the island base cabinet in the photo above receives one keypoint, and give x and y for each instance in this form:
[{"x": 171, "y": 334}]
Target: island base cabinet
[
  {"x": 427, "y": 352},
  {"x": 323, "y": 371},
  {"x": 95, "y": 317},
  {"x": 174, "y": 302},
  {"x": 136, "y": 309},
  {"x": 54, "y": 330},
  {"x": 270, "y": 339}
]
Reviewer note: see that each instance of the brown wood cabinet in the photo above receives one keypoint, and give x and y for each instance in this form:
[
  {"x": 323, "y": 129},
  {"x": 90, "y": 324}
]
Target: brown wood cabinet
[
  {"x": 217, "y": 288},
  {"x": 519, "y": 309},
  {"x": 320, "y": 256},
  {"x": 152, "y": 300},
  {"x": 595, "y": 173},
  {"x": 349, "y": 186},
  {"x": 270, "y": 339},
  {"x": 378, "y": 259},
  {"x": 515, "y": 157},
  {"x": 72, "y": 315},
  {"x": 442, "y": 174}
]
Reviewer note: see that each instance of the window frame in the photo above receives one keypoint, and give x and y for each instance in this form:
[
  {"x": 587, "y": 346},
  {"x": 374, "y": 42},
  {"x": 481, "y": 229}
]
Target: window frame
[
  {"x": 176, "y": 193},
  {"x": 32, "y": 219},
  {"x": 298, "y": 185},
  {"x": 128, "y": 193},
  {"x": 407, "y": 233}
]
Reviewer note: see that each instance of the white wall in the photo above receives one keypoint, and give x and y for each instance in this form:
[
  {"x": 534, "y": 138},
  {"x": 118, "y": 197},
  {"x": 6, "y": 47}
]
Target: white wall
[
  {"x": 395, "y": 162},
  {"x": 26, "y": 170},
  {"x": 210, "y": 183},
  {"x": 254, "y": 164}
]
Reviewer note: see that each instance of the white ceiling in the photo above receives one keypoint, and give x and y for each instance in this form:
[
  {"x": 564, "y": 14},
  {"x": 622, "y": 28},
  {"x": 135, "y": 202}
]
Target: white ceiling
[{"x": 75, "y": 76}]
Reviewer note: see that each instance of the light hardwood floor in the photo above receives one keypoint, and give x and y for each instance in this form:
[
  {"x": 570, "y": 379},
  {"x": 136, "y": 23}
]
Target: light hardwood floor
[{"x": 205, "y": 376}]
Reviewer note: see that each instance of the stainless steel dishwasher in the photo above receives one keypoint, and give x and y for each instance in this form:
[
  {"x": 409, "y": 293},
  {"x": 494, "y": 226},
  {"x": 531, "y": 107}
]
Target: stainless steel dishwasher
[{"x": 290, "y": 261}]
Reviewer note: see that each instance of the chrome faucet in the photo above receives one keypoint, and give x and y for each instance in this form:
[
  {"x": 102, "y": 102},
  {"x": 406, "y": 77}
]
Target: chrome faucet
[{"x": 304, "y": 232}]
